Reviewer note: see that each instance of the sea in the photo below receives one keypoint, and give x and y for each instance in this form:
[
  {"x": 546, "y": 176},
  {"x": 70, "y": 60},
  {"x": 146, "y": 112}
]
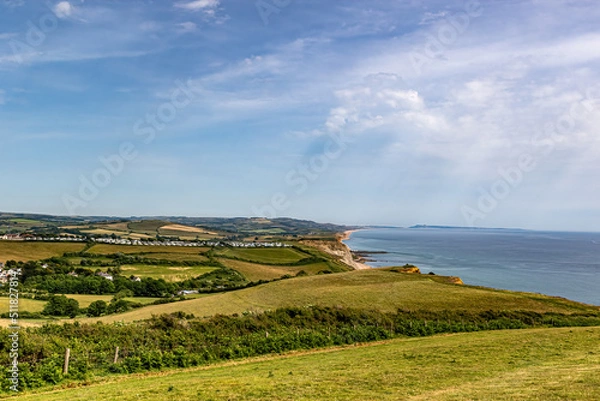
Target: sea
[{"x": 565, "y": 264}]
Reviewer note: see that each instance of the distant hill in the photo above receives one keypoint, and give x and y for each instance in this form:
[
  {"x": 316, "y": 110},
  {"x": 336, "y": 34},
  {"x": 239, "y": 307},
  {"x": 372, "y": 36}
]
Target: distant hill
[{"x": 40, "y": 223}]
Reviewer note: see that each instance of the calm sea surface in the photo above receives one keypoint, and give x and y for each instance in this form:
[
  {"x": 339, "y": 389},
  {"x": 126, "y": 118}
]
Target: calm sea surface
[{"x": 553, "y": 263}]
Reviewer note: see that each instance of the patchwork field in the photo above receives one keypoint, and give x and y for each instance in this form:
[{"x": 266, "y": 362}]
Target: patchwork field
[
  {"x": 26, "y": 251},
  {"x": 147, "y": 229},
  {"x": 537, "y": 364}
]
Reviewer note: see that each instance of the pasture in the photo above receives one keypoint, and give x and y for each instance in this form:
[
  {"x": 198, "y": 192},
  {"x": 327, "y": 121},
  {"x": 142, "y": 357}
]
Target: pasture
[
  {"x": 264, "y": 255},
  {"x": 533, "y": 364},
  {"x": 26, "y": 251},
  {"x": 364, "y": 289},
  {"x": 256, "y": 271},
  {"x": 167, "y": 273}
]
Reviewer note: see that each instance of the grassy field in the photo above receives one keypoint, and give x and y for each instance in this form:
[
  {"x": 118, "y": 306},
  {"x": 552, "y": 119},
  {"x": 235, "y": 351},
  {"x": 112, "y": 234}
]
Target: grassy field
[
  {"x": 76, "y": 260},
  {"x": 103, "y": 231},
  {"x": 538, "y": 365},
  {"x": 27, "y": 222},
  {"x": 26, "y": 251},
  {"x": 177, "y": 256},
  {"x": 265, "y": 255},
  {"x": 106, "y": 249},
  {"x": 85, "y": 300},
  {"x": 147, "y": 229},
  {"x": 25, "y": 304},
  {"x": 187, "y": 232},
  {"x": 33, "y": 305},
  {"x": 168, "y": 273},
  {"x": 255, "y": 272},
  {"x": 147, "y": 226},
  {"x": 366, "y": 289}
]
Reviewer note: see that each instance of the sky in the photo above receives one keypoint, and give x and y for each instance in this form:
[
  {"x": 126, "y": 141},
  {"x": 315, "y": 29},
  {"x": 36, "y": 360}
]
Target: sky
[{"x": 375, "y": 112}]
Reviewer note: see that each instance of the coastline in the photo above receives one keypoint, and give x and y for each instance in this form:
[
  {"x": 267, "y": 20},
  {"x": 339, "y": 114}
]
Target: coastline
[
  {"x": 349, "y": 258},
  {"x": 346, "y": 234},
  {"x": 338, "y": 249}
]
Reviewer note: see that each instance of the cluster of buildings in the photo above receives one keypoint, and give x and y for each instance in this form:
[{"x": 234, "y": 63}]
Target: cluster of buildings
[
  {"x": 11, "y": 237},
  {"x": 123, "y": 241},
  {"x": 4, "y": 273},
  {"x": 234, "y": 244},
  {"x": 31, "y": 237}
]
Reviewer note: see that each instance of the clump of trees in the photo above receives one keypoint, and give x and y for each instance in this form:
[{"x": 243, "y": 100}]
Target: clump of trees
[{"x": 60, "y": 305}]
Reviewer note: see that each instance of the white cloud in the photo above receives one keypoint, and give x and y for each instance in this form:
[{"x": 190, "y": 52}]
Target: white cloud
[
  {"x": 206, "y": 6},
  {"x": 430, "y": 18},
  {"x": 63, "y": 9},
  {"x": 186, "y": 27}
]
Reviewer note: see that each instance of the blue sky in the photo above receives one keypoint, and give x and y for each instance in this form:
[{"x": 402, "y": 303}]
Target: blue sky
[{"x": 378, "y": 112}]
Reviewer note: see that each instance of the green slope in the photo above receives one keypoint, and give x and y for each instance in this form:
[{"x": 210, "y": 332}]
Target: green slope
[
  {"x": 539, "y": 364},
  {"x": 365, "y": 289}
]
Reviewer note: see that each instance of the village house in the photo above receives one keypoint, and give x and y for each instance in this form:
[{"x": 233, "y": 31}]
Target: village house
[
  {"x": 11, "y": 237},
  {"x": 105, "y": 275}
]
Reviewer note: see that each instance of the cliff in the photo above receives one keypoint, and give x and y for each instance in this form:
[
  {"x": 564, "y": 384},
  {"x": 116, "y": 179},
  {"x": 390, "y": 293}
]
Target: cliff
[{"x": 339, "y": 250}]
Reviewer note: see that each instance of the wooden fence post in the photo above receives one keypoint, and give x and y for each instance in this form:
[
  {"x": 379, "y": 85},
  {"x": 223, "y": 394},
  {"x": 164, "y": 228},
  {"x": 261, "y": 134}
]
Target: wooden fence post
[
  {"x": 66, "y": 366},
  {"x": 116, "y": 355}
]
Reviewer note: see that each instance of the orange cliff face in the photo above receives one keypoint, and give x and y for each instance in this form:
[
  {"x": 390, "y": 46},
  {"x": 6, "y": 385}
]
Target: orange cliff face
[{"x": 410, "y": 269}]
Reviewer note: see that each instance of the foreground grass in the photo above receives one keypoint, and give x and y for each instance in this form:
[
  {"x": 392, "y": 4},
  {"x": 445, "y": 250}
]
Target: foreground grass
[
  {"x": 537, "y": 364},
  {"x": 365, "y": 289}
]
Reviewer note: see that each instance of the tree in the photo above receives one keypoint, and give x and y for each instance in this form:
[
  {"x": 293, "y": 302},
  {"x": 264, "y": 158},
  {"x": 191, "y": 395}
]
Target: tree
[
  {"x": 59, "y": 305},
  {"x": 97, "y": 308},
  {"x": 123, "y": 294},
  {"x": 118, "y": 306}
]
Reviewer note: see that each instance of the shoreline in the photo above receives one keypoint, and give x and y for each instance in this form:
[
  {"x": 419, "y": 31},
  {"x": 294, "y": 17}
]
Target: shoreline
[
  {"x": 346, "y": 234},
  {"x": 338, "y": 249},
  {"x": 348, "y": 258}
]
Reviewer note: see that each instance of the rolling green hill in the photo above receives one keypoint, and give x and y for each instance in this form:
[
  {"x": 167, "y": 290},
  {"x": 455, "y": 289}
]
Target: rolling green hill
[
  {"x": 538, "y": 364},
  {"x": 365, "y": 289}
]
